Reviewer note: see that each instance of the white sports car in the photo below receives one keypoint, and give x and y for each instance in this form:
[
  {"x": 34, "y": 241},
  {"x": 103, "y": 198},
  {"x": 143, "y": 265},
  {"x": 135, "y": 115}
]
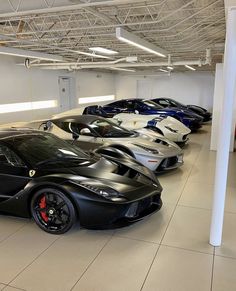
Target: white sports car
[
  {"x": 170, "y": 127},
  {"x": 92, "y": 132}
]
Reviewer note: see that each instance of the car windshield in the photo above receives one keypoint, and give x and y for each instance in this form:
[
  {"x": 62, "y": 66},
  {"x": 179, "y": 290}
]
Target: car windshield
[
  {"x": 152, "y": 104},
  {"x": 107, "y": 128},
  {"x": 42, "y": 148},
  {"x": 175, "y": 103}
]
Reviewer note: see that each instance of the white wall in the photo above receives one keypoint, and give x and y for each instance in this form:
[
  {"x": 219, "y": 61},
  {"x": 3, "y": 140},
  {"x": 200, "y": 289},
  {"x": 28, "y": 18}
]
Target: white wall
[
  {"x": 18, "y": 84},
  {"x": 188, "y": 87}
]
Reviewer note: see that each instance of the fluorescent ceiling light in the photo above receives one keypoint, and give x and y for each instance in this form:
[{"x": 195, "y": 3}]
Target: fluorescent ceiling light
[
  {"x": 122, "y": 69},
  {"x": 170, "y": 68},
  {"x": 190, "y": 68},
  {"x": 84, "y": 100},
  {"x": 26, "y": 106},
  {"x": 102, "y": 50},
  {"x": 93, "y": 55},
  {"x": 163, "y": 70},
  {"x": 29, "y": 54},
  {"x": 134, "y": 40}
]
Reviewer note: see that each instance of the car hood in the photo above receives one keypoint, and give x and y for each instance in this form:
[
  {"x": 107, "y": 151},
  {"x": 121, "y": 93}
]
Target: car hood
[
  {"x": 185, "y": 111},
  {"x": 100, "y": 167},
  {"x": 175, "y": 124},
  {"x": 198, "y": 108},
  {"x": 137, "y": 121}
]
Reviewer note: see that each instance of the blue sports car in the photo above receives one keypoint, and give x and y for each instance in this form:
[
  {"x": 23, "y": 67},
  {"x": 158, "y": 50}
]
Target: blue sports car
[
  {"x": 170, "y": 103},
  {"x": 142, "y": 106}
]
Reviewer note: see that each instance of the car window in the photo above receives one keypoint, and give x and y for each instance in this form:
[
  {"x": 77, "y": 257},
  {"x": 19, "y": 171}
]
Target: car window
[
  {"x": 10, "y": 158},
  {"x": 163, "y": 102},
  {"x": 106, "y": 128},
  {"x": 116, "y": 104},
  {"x": 130, "y": 104}
]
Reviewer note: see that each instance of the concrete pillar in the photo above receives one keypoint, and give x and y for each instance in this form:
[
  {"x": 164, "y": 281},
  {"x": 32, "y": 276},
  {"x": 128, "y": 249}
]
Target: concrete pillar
[{"x": 225, "y": 130}]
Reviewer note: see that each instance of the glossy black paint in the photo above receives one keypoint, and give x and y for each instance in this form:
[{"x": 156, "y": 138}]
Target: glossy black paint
[
  {"x": 138, "y": 189},
  {"x": 170, "y": 103}
]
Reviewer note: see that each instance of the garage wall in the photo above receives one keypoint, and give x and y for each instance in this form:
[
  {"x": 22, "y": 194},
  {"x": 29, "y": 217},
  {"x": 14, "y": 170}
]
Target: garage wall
[
  {"x": 18, "y": 84},
  {"x": 189, "y": 88},
  {"x": 89, "y": 84}
]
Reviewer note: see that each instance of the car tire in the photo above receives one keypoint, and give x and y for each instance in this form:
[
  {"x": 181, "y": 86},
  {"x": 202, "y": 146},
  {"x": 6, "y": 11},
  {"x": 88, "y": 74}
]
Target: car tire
[{"x": 52, "y": 211}]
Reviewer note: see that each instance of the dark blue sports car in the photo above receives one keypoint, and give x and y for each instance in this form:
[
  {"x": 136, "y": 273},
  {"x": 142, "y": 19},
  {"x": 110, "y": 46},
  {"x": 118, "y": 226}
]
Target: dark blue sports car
[
  {"x": 147, "y": 107},
  {"x": 170, "y": 103}
]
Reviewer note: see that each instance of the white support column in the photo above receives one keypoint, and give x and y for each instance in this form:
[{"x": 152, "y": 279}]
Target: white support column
[
  {"x": 222, "y": 159},
  {"x": 217, "y": 106}
]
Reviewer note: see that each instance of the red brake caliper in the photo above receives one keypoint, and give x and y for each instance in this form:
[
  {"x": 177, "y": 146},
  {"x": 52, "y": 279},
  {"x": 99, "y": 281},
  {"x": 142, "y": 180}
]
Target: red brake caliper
[{"x": 43, "y": 205}]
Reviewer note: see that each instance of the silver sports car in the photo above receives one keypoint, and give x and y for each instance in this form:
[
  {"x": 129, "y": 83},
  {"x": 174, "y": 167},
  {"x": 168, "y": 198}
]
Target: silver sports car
[{"x": 93, "y": 132}]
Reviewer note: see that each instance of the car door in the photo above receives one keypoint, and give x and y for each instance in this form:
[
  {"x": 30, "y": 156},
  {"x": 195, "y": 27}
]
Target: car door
[{"x": 14, "y": 174}]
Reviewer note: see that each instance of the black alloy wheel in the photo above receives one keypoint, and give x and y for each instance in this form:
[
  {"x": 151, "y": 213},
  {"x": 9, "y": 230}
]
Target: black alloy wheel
[{"x": 52, "y": 211}]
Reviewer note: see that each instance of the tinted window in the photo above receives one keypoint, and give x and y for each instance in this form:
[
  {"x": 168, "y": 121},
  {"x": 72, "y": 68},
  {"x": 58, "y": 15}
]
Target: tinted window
[
  {"x": 116, "y": 104},
  {"x": 106, "y": 128},
  {"x": 163, "y": 102},
  {"x": 10, "y": 158},
  {"x": 152, "y": 104},
  {"x": 36, "y": 148}
]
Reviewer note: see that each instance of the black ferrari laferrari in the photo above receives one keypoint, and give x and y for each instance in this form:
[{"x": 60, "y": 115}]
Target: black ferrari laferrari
[{"x": 58, "y": 184}]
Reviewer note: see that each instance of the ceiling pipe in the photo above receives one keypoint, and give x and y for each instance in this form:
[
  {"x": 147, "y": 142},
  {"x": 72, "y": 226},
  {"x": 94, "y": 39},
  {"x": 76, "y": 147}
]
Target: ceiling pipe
[
  {"x": 127, "y": 59},
  {"x": 115, "y": 64},
  {"x": 79, "y": 66}
]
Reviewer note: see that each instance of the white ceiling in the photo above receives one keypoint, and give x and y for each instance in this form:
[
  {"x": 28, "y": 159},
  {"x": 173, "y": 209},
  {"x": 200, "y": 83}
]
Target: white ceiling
[{"x": 185, "y": 29}]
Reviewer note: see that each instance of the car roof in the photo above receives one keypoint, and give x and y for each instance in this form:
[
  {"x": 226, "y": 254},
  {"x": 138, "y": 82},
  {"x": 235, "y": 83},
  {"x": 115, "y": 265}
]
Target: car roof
[
  {"x": 12, "y": 132},
  {"x": 78, "y": 118}
]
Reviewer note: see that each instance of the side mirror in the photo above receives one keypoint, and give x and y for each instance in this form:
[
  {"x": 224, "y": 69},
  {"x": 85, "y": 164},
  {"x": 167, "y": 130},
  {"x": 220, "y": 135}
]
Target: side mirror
[
  {"x": 136, "y": 111},
  {"x": 85, "y": 131},
  {"x": 47, "y": 125}
]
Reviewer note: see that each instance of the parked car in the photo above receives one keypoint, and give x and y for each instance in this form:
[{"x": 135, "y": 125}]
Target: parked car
[
  {"x": 170, "y": 103},
  {"x": 58, "y": 184},
  {"x": 146, "y": 107},
  {"x": 167, "y": 126},
  {"x": 94, "y": 133}
]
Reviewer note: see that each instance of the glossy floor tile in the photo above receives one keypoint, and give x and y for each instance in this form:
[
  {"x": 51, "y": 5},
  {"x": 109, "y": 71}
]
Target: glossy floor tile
[
  {"x": 65, "y": 261},
  {"x": 150, "y": 230},
  {"x": 200, "y": 195},
  {"x": 10, "y": 225},
  {"x": 20, "y": 249},
  {"x": 224, "y": 277},
  {"x": 168, "y": 251},
  {"x": 122, "y": 265},
  {"x": 189, "y": 229},
  {"x": 228, "y": 247},
  {"x": 187, "y": 271}
]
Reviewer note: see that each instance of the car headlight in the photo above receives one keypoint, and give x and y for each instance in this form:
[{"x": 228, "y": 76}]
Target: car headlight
[
  {"x": 171, "y": 129},
  {"x": 150, "y": 150},
  {"x": 104, "y": 191}
]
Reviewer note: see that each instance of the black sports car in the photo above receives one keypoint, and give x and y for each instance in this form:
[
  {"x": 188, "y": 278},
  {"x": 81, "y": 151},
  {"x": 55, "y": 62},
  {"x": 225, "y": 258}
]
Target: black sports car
[
  {"x": 168, "y": 102},
  {"x": 57, "y": 183}
]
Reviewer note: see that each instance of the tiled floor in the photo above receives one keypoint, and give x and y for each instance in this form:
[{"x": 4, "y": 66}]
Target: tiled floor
[{"x": 169, "y": 251}]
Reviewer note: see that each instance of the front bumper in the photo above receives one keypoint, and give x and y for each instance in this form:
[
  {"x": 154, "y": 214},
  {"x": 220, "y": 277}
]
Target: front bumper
[
  {"x": 170, "y": 163},
  {"x": 101, "y": 215},
  {"x": 207, "y": 117},
  {"x": 195, "y": 125}
]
